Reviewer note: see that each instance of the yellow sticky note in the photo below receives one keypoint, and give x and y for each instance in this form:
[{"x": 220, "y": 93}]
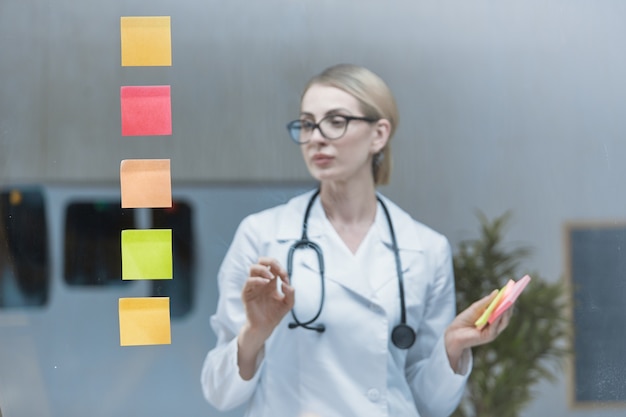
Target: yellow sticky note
[
  {"x": 145, "y": 321},
  {"x": 147, "y": 254},
  {"x": 482, "y": 320},
  {"x": 146, "y": 41},
  {"x": 146, "y": 183}
]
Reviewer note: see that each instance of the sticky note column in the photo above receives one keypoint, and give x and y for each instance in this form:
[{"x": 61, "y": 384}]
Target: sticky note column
[{"x": 146, "y": 183}]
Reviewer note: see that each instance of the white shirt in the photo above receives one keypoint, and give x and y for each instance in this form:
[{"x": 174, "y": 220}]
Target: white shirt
[{"x": 351, "y": 369}]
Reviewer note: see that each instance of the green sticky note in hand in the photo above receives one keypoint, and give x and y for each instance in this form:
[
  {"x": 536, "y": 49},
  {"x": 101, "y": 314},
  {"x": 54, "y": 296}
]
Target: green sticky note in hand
[{"x": 147, "y": 254}]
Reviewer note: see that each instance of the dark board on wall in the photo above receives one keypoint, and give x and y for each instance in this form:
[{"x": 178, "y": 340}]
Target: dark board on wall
[{"x": 597, "y": 262}]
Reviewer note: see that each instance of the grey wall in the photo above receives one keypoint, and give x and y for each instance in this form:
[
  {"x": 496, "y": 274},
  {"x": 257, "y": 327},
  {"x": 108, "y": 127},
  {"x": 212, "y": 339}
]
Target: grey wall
[{"x": 504, "y": 104}]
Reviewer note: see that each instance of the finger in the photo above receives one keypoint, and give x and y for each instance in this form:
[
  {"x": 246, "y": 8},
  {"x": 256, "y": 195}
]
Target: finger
[
  {"x": 284, "y": 277},
  {"x": 506, "y": 318},
  {"x": 499, "y": 325},
  {"x": 260, "y": 270},
  {"x": 477, "y": 308},
  {"x": 486, "y": 300},
  {"x": 274, "y": 267},
  {"x": 290, "y": 293},
  {"x": 498, "y": 328},
  {"x": 254, "y": 283},
  {"x": 253, "y": 287}
]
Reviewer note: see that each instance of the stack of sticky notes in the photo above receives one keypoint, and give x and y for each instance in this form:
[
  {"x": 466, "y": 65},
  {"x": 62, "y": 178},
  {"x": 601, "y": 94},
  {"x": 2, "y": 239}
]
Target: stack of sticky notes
[{"x": 503, "y": 301}]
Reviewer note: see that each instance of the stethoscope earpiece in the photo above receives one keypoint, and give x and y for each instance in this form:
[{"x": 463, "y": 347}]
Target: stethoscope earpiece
[{"x": 402, "y": 335}]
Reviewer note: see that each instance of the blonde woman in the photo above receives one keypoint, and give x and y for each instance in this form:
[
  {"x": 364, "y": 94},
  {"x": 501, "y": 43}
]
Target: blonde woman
[{"x": 338, "y": 303}]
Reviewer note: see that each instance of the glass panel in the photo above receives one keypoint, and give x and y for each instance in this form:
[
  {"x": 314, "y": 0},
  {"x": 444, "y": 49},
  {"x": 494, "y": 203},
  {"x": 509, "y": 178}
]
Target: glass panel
[
  {"x": 180, "y": 288},
  {"x": 24, "y": 268},
  {"x": 93, "y": 242}
]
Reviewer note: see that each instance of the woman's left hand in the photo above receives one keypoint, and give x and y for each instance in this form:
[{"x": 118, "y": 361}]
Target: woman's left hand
[{"x": 463, "y": 334}]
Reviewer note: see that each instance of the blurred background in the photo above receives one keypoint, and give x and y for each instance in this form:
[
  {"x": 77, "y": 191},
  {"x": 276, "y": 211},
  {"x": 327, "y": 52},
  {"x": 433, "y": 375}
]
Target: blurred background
[{"x": 504, "y": 106}]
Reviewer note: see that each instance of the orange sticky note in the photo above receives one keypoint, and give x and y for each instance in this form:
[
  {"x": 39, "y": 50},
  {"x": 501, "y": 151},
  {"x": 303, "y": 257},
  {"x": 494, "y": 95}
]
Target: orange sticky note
[
  {"x": 146, "y": 183},
  {"x": 147, "y": 254},
  {"x": 145, "y": 321},
  {"x": 146, "y": 110},
  {"x": 146, "y": 41}
]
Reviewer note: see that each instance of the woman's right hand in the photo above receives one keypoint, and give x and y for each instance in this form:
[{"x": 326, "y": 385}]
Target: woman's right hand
[{"x": 265, "y": 307}]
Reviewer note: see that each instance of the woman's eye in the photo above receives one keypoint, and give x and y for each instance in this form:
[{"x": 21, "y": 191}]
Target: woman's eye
[
  {"x": 337, "y": 121},
  {"x": 306, "y": 125}
]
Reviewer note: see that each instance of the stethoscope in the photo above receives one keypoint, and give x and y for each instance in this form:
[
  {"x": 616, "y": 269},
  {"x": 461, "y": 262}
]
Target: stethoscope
[{"x": 402, "y": 335}]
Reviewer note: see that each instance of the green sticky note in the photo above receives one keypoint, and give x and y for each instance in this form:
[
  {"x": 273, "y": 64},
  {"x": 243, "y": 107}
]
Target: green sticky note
[{"x": 147, "y": 254}]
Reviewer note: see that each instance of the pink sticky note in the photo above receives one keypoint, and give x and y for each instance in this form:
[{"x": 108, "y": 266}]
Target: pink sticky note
[
  {"x": 509, "y": 298},
  {"x": 146, "y": 110}
]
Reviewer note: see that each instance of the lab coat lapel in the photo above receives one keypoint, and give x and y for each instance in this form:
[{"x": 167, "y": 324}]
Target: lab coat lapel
[
  {"x": 353, "y": 272},
  {"x": 340, "y": 266},
  {"x": 346, "y": 269},
  {"x": 410, "y": 247},
  {"x": 290, "y": 227},
  {"x": 292, "y": 218}
]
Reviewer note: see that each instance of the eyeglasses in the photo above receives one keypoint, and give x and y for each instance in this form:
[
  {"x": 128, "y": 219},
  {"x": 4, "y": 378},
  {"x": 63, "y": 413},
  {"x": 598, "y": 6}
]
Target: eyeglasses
[{"x": 331, "y": 127}]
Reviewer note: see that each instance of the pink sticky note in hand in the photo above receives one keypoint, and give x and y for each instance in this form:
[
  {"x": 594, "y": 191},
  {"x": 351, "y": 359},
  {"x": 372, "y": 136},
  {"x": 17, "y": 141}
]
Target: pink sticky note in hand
[
  {"x": 509, "y": 299},
  {"x": 146, "y": 110}
]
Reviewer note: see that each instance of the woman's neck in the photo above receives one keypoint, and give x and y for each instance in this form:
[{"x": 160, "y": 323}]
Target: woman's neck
[
  {"x": 349, "y": 205},
  {"x": 350, "y": 210}
]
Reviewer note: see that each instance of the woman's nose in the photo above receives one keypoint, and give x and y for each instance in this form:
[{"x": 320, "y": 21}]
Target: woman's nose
[{"x": 316, "y": 135}]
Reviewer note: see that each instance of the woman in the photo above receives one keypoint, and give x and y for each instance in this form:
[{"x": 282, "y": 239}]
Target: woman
[{"x": 365, "y": 327}]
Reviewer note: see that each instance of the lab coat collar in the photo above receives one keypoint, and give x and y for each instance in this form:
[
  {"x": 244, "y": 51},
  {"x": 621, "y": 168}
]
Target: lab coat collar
[
  {"x": 290, "y": 227},
  {"x": 406, "y": 235},
  {"x": 410, "y": 243}
]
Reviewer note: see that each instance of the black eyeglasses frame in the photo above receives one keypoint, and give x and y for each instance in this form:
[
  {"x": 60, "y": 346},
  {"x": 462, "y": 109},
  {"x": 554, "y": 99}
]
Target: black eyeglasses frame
[{"x": 291, "y": 126}]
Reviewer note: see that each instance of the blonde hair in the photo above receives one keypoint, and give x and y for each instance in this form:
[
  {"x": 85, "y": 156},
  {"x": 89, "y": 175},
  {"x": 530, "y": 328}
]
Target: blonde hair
[{"x": 375, "y": 99}]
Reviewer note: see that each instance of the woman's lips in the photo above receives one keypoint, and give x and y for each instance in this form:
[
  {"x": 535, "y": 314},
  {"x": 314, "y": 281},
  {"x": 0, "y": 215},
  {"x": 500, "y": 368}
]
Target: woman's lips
[{"x": 322, "y": 159}]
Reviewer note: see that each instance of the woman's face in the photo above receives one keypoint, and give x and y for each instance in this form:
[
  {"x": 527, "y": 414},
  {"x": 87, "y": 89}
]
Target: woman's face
[{"x": 349, "y": 157}]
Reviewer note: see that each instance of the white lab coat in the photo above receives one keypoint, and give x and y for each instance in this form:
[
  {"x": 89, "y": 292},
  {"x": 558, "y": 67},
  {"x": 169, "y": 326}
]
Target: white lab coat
[{"x": 351, "y": 369}]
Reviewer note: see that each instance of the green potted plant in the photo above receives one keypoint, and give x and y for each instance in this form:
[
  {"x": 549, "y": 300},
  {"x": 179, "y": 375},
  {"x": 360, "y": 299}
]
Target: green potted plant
[{"x": 533, "y": 346}]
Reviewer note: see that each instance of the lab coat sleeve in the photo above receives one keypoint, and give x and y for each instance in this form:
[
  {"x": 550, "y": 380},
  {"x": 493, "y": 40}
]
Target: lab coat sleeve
[
  {"x": 437, "y": 389},
  {"x": 222, "y": 385}
]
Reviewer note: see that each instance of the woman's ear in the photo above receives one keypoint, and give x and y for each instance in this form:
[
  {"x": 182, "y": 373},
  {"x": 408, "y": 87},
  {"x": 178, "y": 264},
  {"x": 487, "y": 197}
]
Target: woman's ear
[{"x": 381, "y": 131}]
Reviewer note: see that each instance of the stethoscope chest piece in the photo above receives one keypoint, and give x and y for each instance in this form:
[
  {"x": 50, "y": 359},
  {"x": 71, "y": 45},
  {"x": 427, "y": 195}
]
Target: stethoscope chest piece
[{"x": 403, "y": 336}]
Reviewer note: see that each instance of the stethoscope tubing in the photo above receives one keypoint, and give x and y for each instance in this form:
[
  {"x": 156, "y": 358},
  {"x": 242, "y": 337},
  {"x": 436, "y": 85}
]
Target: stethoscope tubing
[{"x": 402, "y": 335}]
